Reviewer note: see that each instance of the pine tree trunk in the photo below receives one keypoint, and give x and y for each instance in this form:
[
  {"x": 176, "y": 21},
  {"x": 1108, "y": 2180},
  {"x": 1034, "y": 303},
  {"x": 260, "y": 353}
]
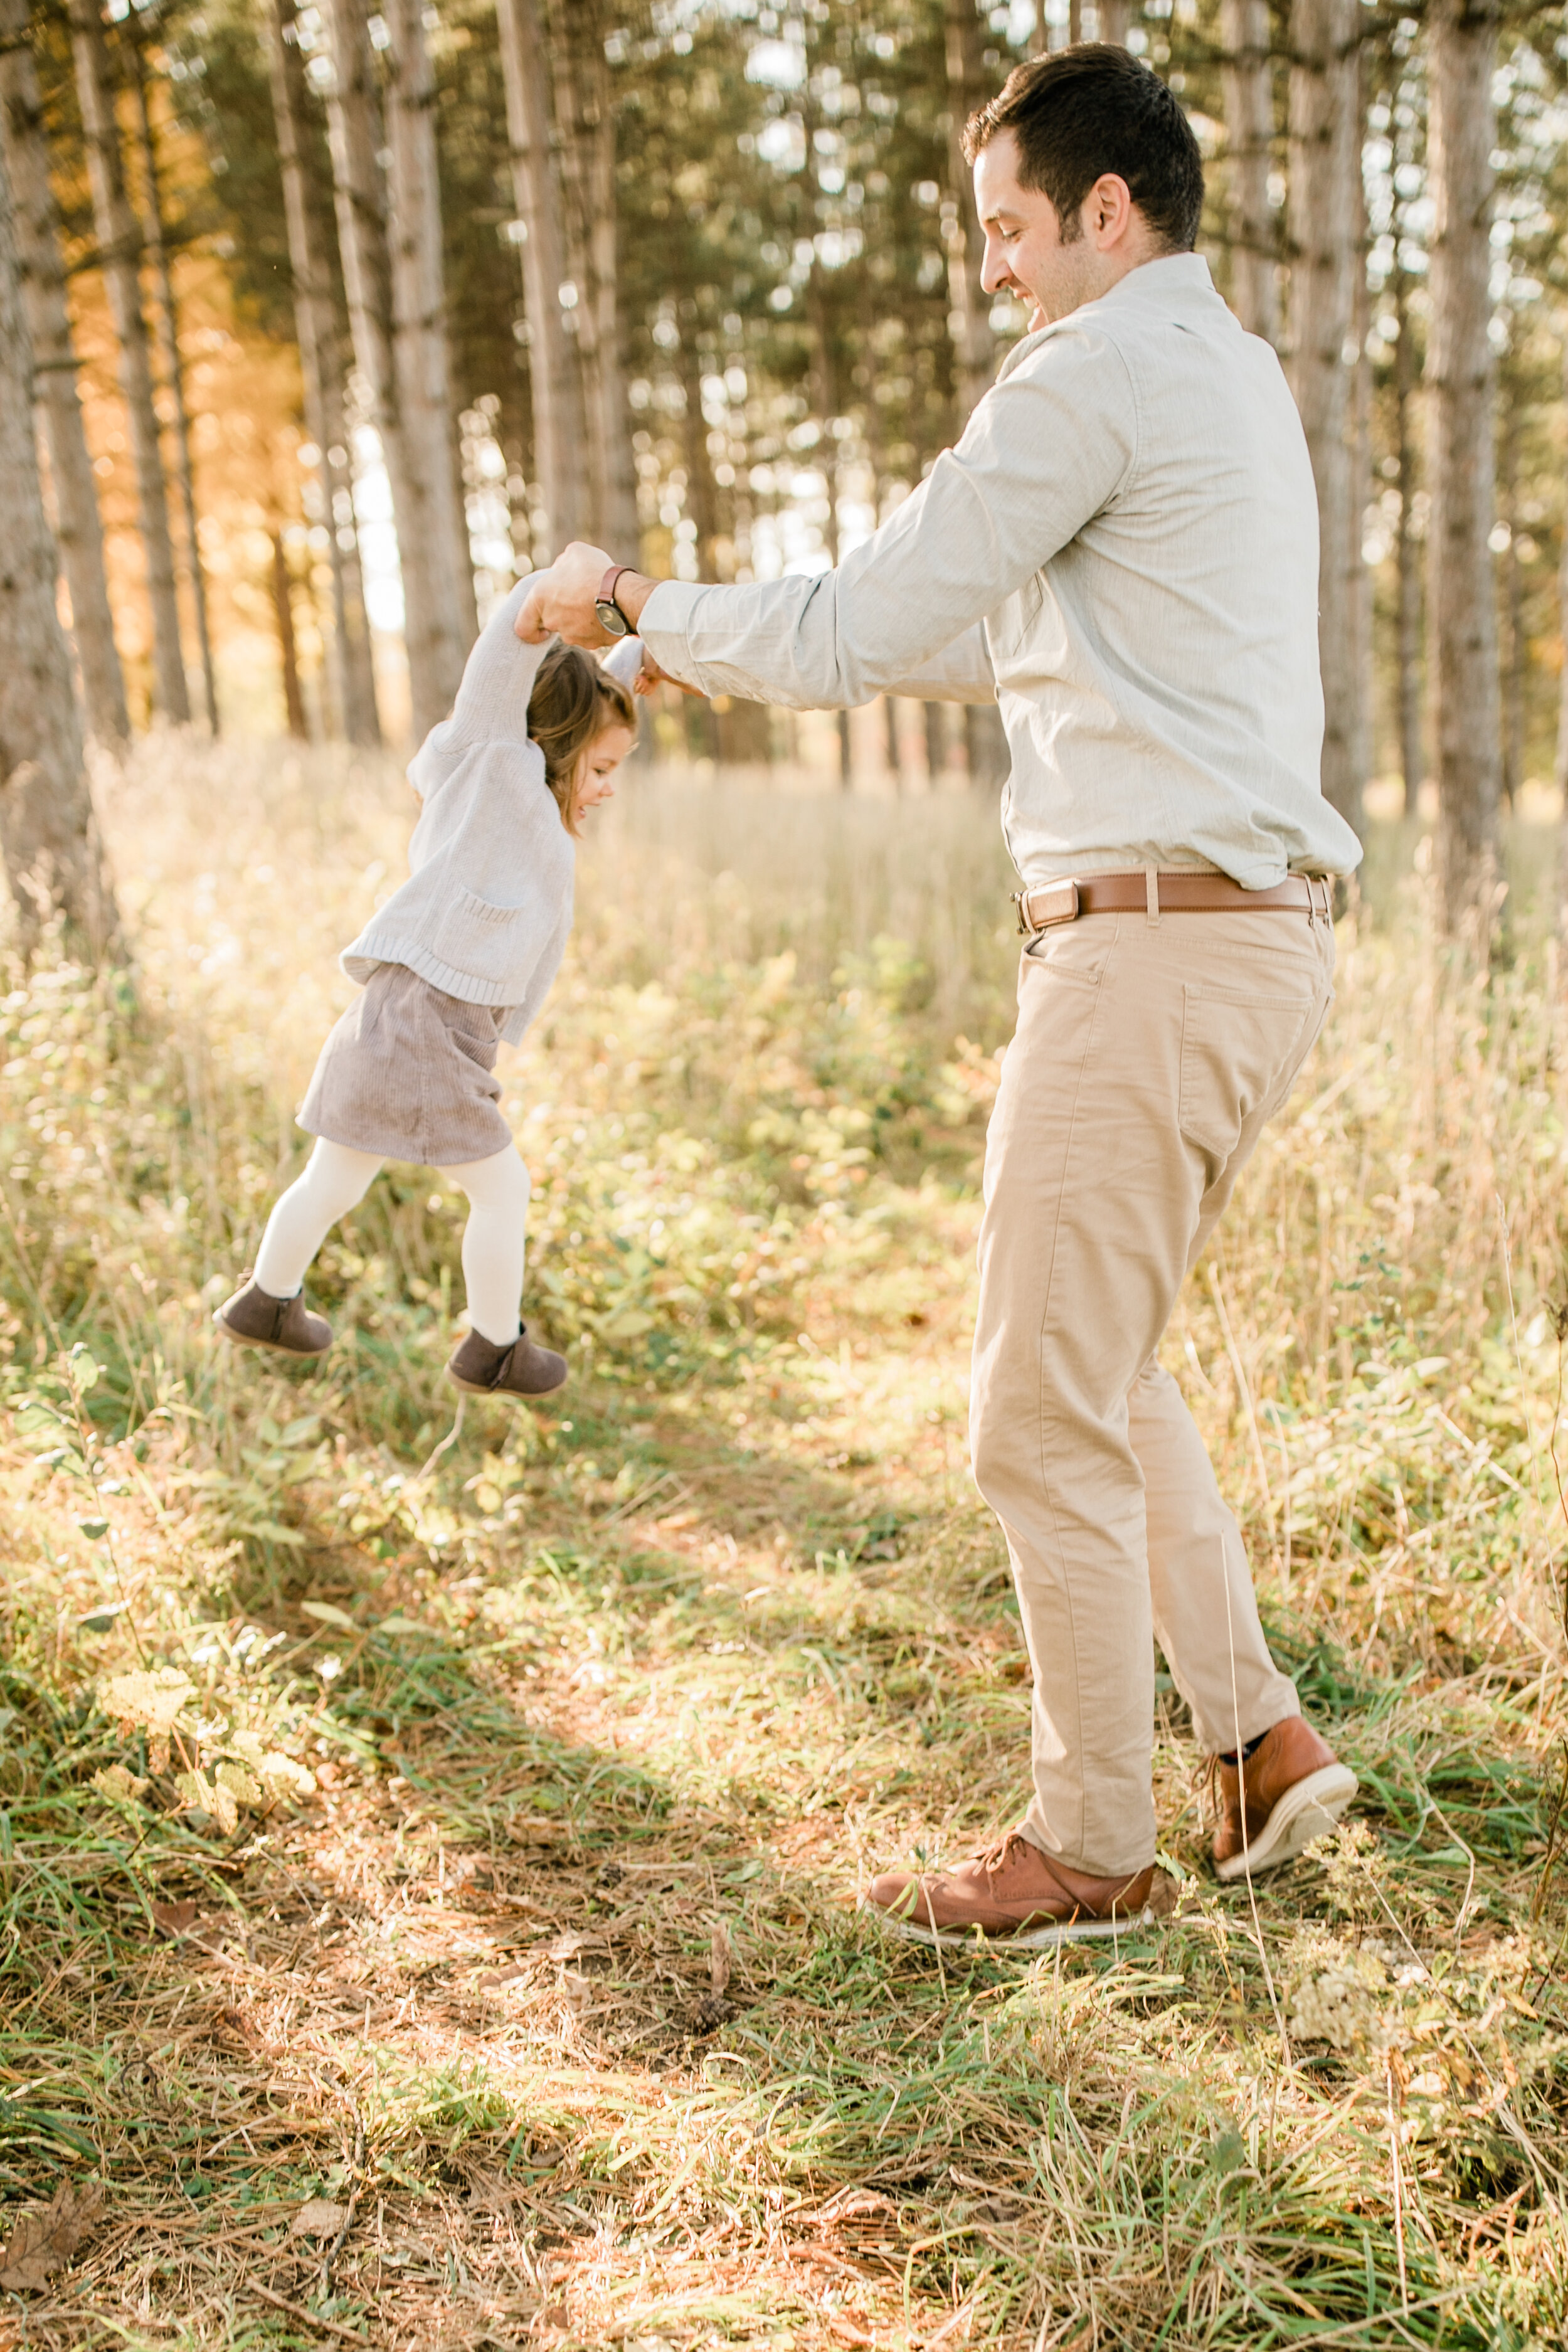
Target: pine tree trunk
[
  {"x": 1408, "y": 550},
  {"x": 80, "y": 527},
  {"x": 892, "y": 749},
  {"x": 423, "y": 357},
  {"x": 354, "y": 137},
  {"x": 1561, "y": 764},
  {"x": 1115, "y": 16},
  {"x": 1357, "y": 578},
  {"x": 320, "y": 367},
  {"x": 48, "y": 836},
  {"x": 288, "y": 643},
  {"x": 174, "y": 370},
  {"x": 585, "y": 122},
  {"x": 1462, "y": 656},
  {"x": 1516, "y": 649},
  {"x": 560, "y": 422},
  {"x": 935, "y": 715},
  {"x": 119, "y": 256},
  {"x": 1324, "y": 210},
  {"x": 974, "y": 345},
  {"x": 1247, "y": 83}
]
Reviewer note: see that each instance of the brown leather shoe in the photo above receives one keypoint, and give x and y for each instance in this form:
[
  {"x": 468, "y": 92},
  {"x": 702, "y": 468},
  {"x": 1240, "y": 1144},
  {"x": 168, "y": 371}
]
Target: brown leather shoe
[
  {"x": 1015, "y": 1891},
  {"x": 254, "y": 1319},
  {"x": 1291, "y": 1790},
  {"x": 481, "y": 1369}
]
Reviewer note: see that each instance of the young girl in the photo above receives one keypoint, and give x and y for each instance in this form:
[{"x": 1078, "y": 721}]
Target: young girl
[{"x": 460, "y": 957}]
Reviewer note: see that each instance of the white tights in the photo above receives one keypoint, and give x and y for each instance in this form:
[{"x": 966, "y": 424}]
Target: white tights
[{"x": 336, "y": 1179}]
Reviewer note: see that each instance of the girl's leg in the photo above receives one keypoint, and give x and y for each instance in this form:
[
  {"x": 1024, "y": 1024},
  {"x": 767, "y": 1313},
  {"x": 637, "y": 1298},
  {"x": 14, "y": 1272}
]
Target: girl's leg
[
  {"x": 334, "y": 1180},
  {"x": 494, "y": 1241}
]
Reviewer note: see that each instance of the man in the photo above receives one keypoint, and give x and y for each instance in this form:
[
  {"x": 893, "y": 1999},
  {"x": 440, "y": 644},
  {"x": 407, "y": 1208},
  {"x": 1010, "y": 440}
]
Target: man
[{"x": 1122, "y": 548}]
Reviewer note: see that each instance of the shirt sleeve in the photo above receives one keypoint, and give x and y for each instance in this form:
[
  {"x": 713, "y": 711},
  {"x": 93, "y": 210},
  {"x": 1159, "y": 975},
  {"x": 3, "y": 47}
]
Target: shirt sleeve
[{"x": 1045, "y": 450}]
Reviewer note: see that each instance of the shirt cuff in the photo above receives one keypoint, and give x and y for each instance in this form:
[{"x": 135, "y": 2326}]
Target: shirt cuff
[{"x": 663, "y": 625}]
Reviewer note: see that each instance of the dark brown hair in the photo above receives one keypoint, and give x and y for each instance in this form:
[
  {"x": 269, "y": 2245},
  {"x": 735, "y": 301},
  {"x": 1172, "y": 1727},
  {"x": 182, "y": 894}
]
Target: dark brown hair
[
  {"x": 573, "y": 700},
  {"x": 1091, "y": 110}
]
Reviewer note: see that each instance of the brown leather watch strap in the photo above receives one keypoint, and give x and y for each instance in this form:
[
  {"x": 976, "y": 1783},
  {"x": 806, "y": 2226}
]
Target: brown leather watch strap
[
  {"x": 1050, "y": 903},
  {"x": 606, "y": 594}
]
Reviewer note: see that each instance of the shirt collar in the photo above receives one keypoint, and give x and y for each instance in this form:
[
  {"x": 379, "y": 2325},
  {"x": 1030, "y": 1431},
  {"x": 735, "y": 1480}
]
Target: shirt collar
[{"x": 1174, "y": 277}]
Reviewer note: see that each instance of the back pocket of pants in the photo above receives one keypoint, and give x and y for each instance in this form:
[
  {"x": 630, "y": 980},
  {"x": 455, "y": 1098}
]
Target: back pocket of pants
[{"x": 1237, "y": 1051}]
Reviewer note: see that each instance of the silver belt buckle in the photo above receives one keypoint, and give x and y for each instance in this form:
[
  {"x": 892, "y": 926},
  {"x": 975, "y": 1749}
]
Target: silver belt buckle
[{"x": 1065, "y": 912}]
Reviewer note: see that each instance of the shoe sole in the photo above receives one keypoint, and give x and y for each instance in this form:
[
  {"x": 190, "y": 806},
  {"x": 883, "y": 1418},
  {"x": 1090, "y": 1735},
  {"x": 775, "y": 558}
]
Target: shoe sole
[
  {"x": 1307, "y": 1809},
  {"x": 1032, "y": 1940},
  {"x": 272, "y": 1347},
  {"x": 518, "y": 1396}
]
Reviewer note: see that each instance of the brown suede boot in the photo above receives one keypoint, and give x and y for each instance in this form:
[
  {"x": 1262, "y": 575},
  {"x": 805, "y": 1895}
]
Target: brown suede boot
[
  {"x": 254, "y": 1319},
  {"x": 481, "y": 1369},
  {"x": 1013, "y": 1890},
  {"x": 1273, "y": 1803}
]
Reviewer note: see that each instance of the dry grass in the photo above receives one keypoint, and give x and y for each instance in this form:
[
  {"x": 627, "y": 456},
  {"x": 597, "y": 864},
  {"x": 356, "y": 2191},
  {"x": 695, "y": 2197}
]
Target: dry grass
[{"x": 551, "y": 1985}]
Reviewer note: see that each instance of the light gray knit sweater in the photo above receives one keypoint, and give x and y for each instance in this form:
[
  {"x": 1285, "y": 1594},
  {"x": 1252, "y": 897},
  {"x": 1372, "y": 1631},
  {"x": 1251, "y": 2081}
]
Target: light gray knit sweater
[{"x": 485, "y": 912}]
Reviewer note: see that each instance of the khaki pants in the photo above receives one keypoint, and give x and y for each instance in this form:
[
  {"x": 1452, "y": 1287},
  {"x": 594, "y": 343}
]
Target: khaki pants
[{"x": 1149, "y": 1054}]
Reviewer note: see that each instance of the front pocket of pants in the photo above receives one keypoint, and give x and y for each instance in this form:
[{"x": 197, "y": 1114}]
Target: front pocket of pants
[
  {"x": 477, "y": 939},
  {"x": 1237, "y": 1049}
]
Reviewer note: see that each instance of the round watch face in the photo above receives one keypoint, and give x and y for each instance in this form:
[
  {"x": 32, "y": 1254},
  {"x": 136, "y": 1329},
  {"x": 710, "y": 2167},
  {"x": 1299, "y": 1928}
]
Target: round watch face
[{"x": 611, "y": 617}]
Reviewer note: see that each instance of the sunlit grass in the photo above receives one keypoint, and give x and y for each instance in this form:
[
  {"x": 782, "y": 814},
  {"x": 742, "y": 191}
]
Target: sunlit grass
[{"x": 554, "y": 1974}]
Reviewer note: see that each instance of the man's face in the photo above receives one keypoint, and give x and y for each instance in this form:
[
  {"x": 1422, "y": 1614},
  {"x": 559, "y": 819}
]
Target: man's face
[{"x": 1024, "y": 251}]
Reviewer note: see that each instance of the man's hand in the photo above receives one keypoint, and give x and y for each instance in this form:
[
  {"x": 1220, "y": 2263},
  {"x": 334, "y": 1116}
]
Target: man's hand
[{"x": 559, "y": 604}]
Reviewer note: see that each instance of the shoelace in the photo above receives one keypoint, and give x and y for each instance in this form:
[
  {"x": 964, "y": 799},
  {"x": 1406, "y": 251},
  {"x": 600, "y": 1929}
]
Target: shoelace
[{"x": 995, "y": 1856}]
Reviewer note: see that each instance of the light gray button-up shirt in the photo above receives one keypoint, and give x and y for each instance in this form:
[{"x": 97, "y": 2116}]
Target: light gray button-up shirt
[{"x": 1122, "y": 550}]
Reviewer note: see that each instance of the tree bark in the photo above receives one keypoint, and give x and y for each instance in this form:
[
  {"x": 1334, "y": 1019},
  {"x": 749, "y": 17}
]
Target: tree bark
[
  {"x": 560, "y": 422},
  {"x": 1516, "y": 649},
  {"x": 935, "y": 715},
  {"x": 585, "y": 122},
  {"x": 1246, "y": 80},
  {"x": 1463, "y": 663},
  {"x": 892, "y": 750},
  {"x": 48, "y": 836},
  {"x": 321, "y": 368},
  {"x": 1115, "y": 16},
  {"x": 287, "y": 644},
  {"x": 1323, "y": 213},
  {"x": 1561, "y": 764},
  {"x": 120, "y": 256},
  {"x": 424, "y": 360},
  {"x": 1357, "y": 578},
  {"x": 173, "y": 371},
  {"x": 79, "y": 531},
  {"x": 1407, "y": 551},
  {"x": 974, "y": 345},
  {"x": 354, "y": 137}
]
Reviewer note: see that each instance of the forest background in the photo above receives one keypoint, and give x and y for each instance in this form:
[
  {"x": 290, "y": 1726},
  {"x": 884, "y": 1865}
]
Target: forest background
[
  {"x": 429, "y": 1844},
  {"x": 702, "y": 283}
]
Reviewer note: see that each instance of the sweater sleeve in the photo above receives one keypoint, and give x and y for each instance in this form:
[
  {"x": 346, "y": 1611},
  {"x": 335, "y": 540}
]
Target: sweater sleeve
[{"x": 492, "y": 700}]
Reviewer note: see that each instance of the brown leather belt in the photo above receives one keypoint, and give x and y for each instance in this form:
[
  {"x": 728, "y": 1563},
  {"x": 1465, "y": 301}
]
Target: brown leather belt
[{"x": 1154, "y": 894}]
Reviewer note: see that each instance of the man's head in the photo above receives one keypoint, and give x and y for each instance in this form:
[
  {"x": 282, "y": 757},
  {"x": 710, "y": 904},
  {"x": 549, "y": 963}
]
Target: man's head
[{"x": 1085, "y": 166}]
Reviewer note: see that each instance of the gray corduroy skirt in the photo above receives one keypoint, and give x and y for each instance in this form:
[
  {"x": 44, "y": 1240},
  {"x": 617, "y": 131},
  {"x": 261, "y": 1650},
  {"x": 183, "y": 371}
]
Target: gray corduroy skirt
[{"x": 409, "y": 1073}]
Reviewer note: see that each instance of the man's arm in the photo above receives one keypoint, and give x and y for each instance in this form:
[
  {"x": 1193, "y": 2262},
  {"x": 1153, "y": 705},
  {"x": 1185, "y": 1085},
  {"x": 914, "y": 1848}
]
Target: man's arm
[{"x": 1043, "y": 452}]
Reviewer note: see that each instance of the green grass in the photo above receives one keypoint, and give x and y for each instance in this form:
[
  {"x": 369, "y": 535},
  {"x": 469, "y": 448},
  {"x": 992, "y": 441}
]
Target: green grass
[{"x": 498, "y": 1885}]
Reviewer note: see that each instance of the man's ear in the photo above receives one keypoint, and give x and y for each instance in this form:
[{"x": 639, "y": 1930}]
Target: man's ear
[{"x": 1108, "y": 208}]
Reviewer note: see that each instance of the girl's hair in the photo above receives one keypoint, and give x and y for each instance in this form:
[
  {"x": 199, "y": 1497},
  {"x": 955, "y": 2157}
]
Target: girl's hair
[{"x": 573, "y": 700}]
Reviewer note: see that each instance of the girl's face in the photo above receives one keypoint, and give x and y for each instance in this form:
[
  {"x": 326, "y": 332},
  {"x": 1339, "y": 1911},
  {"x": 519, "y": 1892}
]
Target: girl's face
[{"x": 599, "y": 762}]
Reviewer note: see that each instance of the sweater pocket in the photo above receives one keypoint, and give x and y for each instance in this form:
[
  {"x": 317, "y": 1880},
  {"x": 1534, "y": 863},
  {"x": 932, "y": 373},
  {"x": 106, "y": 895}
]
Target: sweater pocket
[{"x": 482, "y": 941}]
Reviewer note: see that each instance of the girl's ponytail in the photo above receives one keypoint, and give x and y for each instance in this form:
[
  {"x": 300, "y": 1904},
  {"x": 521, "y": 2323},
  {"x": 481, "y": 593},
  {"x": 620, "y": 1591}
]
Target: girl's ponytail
[{"x": 573, "y": 700}]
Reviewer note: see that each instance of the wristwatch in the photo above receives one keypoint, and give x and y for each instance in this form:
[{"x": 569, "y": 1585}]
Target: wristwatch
[{"x": 611, "y": 617}]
